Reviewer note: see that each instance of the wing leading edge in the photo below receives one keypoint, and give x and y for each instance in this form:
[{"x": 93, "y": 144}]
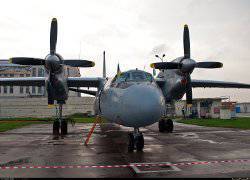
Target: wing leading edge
[
  {"x": 84, "y": 82},
  {"x": 27, "y": 81},
  {"x": 40, "y": 81},
  {"x": 218, "y": 84}
]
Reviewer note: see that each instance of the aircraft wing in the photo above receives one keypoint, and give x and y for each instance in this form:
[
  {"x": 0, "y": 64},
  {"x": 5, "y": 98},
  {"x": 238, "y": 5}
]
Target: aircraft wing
[
  {"x": 84, "y": 82},
  {"x": 26, "y": 81},
  {"x": 40, "y": 81},
  {"x": 218, "y": 84}
]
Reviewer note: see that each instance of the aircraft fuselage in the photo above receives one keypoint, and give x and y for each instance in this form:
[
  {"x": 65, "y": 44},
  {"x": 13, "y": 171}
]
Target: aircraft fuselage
[{"x": 131, "y": 102}]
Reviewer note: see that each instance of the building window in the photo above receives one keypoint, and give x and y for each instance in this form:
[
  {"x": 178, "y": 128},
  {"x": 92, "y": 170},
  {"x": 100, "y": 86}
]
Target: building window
[
  {"x": 34, "y": 72},
  {"x": 33, "y": 89},
  {"x": 68, "y": 71},
  {"x": 27, "y": 75},
  {"x": 11, "y": 89},
  {"x": 5, "y": 75},
  {"x": 21, "y": 75},
  {"x": 40, "y": 72},
  {"x": 11, "y": 75},
  {"x": 39, "y": 90},
  {"x": 5, "y": 89},
  {"x": 21, "y": 89},
  {"x": 27, "y": 89}
]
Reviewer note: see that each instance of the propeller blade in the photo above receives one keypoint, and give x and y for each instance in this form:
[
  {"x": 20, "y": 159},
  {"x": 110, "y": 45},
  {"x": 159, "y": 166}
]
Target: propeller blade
[
  {"x": 186, "y": 42},
  {"x": 53, "y": 36},
  {"x": 189, "y": 91},
  {"x": 27, "y": 61},
  {"x": 165, "y": 65},
  {"x": 78, "y": 63},
  {"x": 208, "y": 65}
]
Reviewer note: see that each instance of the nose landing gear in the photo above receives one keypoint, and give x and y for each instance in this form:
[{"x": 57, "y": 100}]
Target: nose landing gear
[
  {"x": 166, "y": 125},
  {"x": 136, "y": 141}
]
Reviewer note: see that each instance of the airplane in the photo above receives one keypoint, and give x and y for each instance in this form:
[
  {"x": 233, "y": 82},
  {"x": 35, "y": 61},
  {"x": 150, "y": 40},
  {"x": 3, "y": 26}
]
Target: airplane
[{"x": 132, "y": 98}]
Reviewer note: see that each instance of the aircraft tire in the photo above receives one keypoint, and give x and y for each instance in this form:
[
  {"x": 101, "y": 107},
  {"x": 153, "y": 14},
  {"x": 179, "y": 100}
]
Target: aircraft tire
[
  {"x": 162, "y": 125},
  {"x": 131, "y": 142},
  {"x": 140, "y": 142},
  {"x": 64, "y": 127},
  {"x": 169, "y": 126},
  {"x": 56, "y": 126}
]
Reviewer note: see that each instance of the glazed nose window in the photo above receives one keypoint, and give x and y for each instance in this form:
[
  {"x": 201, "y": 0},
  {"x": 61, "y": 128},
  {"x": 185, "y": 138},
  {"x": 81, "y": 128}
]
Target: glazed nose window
[
  {"x": 138, "y": 76},
  {"x": 123, "y": 77}
]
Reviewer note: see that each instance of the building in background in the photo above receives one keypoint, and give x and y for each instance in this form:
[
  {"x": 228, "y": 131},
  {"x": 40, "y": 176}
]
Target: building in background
[
  {"x": 8, "y": 70},
  {"x": 202, "y": 107}
]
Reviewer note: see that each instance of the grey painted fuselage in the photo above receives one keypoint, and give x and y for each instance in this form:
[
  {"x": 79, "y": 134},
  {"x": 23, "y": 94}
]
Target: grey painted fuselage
[{"x": 131, "y": 102}]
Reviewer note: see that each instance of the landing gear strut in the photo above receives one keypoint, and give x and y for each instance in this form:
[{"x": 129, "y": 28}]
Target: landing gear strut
[
  {"x": 135, "y": 140},
  {"x": 60, "y": 123},
  {"x": 166, "y": 125}
]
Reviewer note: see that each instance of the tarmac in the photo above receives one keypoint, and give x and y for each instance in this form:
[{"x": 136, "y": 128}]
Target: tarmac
[{"x": 190, "y": 151}]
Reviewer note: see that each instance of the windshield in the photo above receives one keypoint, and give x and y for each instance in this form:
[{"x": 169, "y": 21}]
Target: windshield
[
  {"x": 123, "y": 77},
  {"x": 133, "y": 76}
]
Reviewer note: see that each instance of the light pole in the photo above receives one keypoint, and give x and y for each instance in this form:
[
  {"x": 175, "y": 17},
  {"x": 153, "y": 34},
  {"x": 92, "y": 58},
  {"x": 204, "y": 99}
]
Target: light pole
[{"x": 160, "y": 57}]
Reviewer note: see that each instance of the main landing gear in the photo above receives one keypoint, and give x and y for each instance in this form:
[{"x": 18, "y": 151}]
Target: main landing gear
[
  {"x": 136, "y": 140},
  {"x": 60, "y": 123},
  {"x": 166, "y": 125}
]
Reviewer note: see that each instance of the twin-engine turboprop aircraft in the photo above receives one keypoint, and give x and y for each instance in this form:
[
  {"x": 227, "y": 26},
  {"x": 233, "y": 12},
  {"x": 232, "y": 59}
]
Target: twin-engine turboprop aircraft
[{"x": 132, "y": 98}]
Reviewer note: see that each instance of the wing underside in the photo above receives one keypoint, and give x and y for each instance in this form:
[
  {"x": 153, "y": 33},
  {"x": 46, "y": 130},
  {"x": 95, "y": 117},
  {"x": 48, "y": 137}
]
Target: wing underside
[
  {"x": 84, "y": 82},
  {"x": 218, "y": 84},
  {"x": 27, "y": 81}
]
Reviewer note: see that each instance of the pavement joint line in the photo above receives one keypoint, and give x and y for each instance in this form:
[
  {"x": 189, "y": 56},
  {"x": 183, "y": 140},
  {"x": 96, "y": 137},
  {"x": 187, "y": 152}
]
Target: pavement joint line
[{"x": 122, "y": 166}]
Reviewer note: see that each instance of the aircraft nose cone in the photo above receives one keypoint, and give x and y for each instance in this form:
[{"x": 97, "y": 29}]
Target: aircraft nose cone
[{"x": 142, "y": 105}]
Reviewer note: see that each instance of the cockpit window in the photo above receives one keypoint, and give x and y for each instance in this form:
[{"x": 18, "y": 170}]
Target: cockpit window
[
  {"x": 149, "y": 77},
  {"x": 133, "y": 76},
  {"x": 138, "y": 76},
  {"x": 141, "y": 76},
  {"x": 123, "y": 77}
]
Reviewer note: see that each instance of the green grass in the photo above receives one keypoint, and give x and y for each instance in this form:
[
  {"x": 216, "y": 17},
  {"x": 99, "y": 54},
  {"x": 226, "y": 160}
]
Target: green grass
[
  {"x": 5, "y": 126},
  {"x": 241, "y": 123},
  {"x": 26, "y": 119},
  {"x": 13, "y": 123}
]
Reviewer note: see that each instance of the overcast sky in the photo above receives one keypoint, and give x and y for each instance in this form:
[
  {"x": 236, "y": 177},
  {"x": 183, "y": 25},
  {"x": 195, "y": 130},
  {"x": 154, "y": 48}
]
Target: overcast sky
[{"x": 132, "y": 32}]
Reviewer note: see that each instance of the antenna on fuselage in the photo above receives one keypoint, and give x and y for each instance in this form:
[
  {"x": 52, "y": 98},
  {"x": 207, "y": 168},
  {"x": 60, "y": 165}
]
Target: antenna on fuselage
[
  {"x": 118, "y": 70},
  {"x": 104, "y": 66}
]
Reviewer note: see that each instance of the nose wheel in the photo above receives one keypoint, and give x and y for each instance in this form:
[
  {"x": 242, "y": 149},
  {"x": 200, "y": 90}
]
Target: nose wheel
[
  {"x": 135, "y": 141},
  {"x": 166, "y": 125}
]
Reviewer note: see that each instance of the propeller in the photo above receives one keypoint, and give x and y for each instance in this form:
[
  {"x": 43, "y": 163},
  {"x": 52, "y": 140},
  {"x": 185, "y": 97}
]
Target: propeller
[
  {"x": 186, "y": 65},
  {"x": 53, "y": 63},
  {"x": 53, "y": 58}
]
